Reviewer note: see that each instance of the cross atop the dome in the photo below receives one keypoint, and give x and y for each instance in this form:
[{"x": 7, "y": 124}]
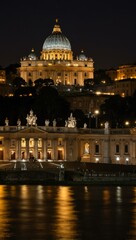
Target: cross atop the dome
[{"x": 56, "y": 27}]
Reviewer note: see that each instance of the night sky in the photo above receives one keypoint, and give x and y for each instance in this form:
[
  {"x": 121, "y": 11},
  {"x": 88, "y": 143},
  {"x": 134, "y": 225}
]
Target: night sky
[{"x": 105, "y": 30}]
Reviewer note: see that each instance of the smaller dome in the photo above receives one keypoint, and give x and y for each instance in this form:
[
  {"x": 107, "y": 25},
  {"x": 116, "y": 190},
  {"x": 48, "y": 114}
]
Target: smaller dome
[
  {"x": 82, "y": 56},
  {"x": 32, "y": 55}
]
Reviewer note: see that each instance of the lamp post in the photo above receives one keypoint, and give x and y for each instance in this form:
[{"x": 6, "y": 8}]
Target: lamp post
[
  {"x": 127, "y": 123},
  {"x": 96, "y": 112},
  {"x": 89, "y": 116}
]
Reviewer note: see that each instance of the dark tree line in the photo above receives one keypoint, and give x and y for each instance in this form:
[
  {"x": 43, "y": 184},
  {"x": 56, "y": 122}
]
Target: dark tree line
[
  {"x": 118, "y": 110},
  {"x": 48, "y": 104}
]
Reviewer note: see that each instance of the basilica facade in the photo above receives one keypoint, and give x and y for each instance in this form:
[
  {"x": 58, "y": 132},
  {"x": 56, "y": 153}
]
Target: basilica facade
[
  {"x": 56, "y": 62},
  {"x": 68, "y": 143}
]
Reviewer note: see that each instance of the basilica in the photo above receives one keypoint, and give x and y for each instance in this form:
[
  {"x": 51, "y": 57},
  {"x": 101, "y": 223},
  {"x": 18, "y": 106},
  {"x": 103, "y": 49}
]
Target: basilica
[
  {"x": 68, "y": 143},
  {"x": 56, "y": 62}
]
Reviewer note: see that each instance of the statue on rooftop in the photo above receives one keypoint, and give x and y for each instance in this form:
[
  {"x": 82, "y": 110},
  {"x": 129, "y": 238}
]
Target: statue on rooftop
[
  {"x": 47, "y": 123},
  {"x": 54, "y": 123},
  {"x": 71, "y": 122},
  {"x": 31, "y": 119},
  {"x": 6, "y": 122},
  {"x": 18, "y": 122}
]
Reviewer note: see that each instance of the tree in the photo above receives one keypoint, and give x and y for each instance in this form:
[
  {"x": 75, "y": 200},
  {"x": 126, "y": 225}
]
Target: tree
[
  {"x": 38, "y": 82},
  {"x": 18, "y": 82},
  {"x": 48, "y": 82},
  {"x": 100, "y": 76},
  {"x": 12, "y": 72}
]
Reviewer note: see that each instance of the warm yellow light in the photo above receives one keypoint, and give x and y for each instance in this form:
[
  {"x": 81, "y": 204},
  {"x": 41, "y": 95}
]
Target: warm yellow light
[
  {"x": 96, "y": 112},
  {"x": 127, "y": 123},
  {"x": 98, "y": 93}
]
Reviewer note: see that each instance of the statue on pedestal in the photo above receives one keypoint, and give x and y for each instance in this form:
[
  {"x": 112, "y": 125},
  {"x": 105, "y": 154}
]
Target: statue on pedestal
[
  {"x": 71, "y": 122},
  {"x": 106, "y": 128},
  {"x": 6, "y": 122},
  {"x": 47, "y": 123},
  {"x": 18, "y": 123},
  {"x": 106, "y": 125},
  {"x": 31, "y": 119},
  {"x": 54, "y": 123}
]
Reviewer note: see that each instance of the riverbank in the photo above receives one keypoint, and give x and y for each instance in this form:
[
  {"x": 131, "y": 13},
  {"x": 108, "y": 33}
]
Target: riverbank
[
  {"x": 67, "y": 173},
  {"x": 46, "y": 178}
]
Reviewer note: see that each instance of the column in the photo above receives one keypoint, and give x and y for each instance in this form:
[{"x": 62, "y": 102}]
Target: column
[
  {"x": 106, "y": 151},
  {"x": 44, "y": 148},
  {"x": 55, "y": 150},
  {"x": 6, "y": 150},
  {"x": 19, "y": 148},
  {"x": 27, "y": 148},
  {"x": 36, "y": 148}
]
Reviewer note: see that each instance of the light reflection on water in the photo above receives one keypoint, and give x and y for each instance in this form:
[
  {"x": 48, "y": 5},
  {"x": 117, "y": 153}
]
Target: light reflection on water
[{"x": 67, "y": 212}]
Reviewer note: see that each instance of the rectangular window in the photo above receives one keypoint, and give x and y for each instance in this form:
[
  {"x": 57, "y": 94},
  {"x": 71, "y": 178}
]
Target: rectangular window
[
  {"x": 117, "y": 148},
  {"x": 126, "y": 148},
  {"x": 96, "y": 148}
]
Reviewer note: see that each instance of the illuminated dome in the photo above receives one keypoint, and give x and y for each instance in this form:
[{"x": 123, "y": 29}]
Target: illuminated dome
[
  {"x": 32, "y": 55},
  {"x": 57, "y": 40},
  {"x": 82, "y": 56}
]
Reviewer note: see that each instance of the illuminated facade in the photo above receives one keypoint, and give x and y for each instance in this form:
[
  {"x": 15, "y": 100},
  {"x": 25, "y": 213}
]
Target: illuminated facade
[
  {"x": 2, "y": 76},
  {"x": 67, "y": 143},
  {"x": 122, "y": 72},
  {"x": 125, "y": 87},
  {"x": 56, "y": 62}
]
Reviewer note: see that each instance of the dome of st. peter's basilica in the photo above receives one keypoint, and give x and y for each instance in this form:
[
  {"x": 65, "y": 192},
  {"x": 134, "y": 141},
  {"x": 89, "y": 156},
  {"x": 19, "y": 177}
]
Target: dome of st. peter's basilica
[{"x": 57, "y": 40}]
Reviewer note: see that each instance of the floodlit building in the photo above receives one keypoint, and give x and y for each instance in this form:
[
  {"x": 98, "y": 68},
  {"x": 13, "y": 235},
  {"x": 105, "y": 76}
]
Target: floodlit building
[
  {"x": 2, "y": 76},
  {"x": 125, "y": 87},
  {"x": 57, "y": 62},
  {"x": 68, "y": 143},
  {"x": 122, "y": 72}
]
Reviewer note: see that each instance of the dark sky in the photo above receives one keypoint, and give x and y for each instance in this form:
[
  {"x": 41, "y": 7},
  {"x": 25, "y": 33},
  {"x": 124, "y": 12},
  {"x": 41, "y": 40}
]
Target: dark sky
[{"x": 105, "y": 30}]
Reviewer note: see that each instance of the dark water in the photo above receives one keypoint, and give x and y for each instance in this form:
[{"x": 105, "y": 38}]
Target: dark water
[{"x": 68, "y": 213}]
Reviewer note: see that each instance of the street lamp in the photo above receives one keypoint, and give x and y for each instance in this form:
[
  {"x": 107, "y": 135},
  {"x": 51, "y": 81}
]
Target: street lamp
[
  {"x": 96, "y": 112},
  {"x": 127, "y": 123}
]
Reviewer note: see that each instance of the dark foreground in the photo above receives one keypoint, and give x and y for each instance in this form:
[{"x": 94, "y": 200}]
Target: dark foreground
[{"x": 66, "y": 173}]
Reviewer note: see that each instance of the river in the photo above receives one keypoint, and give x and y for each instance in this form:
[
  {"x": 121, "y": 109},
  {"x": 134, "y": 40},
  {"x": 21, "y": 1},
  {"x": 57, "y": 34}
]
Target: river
[{"x": 67, "y": 212}]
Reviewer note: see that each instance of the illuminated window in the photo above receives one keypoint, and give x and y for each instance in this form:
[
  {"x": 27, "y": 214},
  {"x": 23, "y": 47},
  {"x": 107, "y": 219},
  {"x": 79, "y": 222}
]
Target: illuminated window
[
  {"x": 31, "y": 142},
  {"x": 23, "y": 142},
  {"x": 39, "y": 142}
]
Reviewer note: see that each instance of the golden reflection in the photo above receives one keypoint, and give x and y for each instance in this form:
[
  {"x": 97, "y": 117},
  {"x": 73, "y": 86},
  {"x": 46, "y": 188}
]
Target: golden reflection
[
  {"x": 86, "y": 189},
  {"x": 66, "y": 224},
  {"x": 119, "y": 194},
  {"x": 24, "y": 191},
  {"x": 106, "y": 196},
  {"x": 4, "y": 210},
  {"x": 134, "y": 197},
  {"x": 132, "y": 231},
  {"x": 40, "y": 192}
]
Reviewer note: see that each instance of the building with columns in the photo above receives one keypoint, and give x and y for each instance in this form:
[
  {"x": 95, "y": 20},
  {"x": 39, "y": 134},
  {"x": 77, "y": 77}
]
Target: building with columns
[
  {"x": 68, "y": 143},
  {"x": 57, "y": 62}
]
